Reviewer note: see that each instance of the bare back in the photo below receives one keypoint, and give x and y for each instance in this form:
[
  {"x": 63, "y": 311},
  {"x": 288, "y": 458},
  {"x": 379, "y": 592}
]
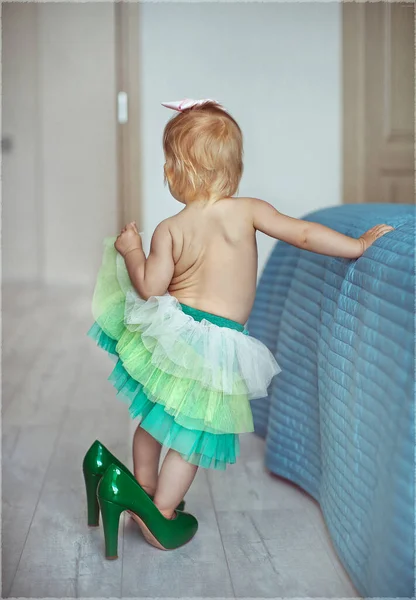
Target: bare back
[
  {"x": 215, "y": 256},
  {"x": 206, "y": 256}
]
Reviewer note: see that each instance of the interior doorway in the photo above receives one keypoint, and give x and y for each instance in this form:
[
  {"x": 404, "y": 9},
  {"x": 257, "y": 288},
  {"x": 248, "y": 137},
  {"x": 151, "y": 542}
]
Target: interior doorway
[
  {"x": 70, "y": 147},
  {"x": 378, "y": 102}
]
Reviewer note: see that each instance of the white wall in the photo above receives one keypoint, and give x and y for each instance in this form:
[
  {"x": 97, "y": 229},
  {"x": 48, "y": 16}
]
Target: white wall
[{"x": 277, "y": 68}]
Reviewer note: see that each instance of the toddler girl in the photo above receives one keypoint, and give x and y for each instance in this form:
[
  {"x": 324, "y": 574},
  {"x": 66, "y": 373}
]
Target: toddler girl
[{"x": 176, "y": 319}]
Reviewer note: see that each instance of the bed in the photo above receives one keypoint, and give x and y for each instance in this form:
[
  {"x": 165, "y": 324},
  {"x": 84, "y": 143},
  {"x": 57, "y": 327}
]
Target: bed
[{"x": 339, "y": 419}]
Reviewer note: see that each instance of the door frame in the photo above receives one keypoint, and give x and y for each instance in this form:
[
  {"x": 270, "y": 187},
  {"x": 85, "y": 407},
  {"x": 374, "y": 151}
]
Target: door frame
[
  {"x": 127, "y": 48},
  {"x": 353, "y": 102}
]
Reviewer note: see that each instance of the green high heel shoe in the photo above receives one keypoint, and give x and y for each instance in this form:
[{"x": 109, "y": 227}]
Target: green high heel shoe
[
  {"x": 118, "y": 492},
  {"x": 95, "y": 463}
]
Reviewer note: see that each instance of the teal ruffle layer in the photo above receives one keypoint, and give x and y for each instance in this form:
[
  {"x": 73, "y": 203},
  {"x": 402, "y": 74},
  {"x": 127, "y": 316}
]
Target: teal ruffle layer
[{"x": 202, "y": 448}]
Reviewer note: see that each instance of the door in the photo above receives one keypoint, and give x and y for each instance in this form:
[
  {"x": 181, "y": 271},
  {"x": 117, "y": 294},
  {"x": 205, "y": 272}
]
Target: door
[
  {"x": 60, "y": 188},
  {"x": 379, "y": 107},
  {"x": 21, "y": 210}
]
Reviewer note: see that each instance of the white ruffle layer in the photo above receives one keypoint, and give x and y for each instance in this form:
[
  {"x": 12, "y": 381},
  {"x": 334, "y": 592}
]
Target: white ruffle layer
[{"x": 220, "y": 358}]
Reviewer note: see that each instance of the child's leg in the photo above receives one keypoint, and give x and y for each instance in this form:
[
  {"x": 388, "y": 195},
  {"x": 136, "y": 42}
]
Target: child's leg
[
  {"x": 146, "y": 457},
  {"x": 175, "y": 478}
]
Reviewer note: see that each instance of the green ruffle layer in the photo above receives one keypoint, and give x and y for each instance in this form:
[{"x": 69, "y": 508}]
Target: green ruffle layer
[
  {"x": 183, "y": 396},
  {"x": 198, "y": 446}
]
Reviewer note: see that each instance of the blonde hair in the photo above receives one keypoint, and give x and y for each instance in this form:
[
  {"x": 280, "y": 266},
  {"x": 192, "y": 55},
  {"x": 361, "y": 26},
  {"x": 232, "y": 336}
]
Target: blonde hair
[{"x": 203, "y": 148}]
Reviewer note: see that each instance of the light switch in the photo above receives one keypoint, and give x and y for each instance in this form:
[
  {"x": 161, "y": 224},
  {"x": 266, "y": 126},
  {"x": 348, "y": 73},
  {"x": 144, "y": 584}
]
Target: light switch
[{"x": 122, "y": 108}]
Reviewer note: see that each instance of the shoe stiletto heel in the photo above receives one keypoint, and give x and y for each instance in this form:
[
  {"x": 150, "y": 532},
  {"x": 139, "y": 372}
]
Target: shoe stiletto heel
[
  {"x": 93, "y": 508},
  {"x": 111, "y": 518},
  {"x": 117, "y": 492},
  {"x": 95, "y": 463}
]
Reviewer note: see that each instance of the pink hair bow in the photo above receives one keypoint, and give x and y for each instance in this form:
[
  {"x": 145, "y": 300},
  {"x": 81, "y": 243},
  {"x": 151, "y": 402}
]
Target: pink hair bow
[{"x": 181, "y": 105}]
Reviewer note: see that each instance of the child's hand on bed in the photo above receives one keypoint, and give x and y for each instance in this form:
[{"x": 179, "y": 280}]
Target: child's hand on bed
[
  {"x": 128, "y": 240},
  {"x": 369, "y": 237}
]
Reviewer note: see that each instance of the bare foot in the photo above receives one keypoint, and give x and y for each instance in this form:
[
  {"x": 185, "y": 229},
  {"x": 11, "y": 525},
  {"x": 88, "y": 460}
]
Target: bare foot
[
  {"x": 149, "y": 490},
  {"x": 168, "y": 514}
]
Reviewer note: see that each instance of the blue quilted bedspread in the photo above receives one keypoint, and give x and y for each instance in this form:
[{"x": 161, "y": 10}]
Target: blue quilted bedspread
[{"x": 339, "y": 419}]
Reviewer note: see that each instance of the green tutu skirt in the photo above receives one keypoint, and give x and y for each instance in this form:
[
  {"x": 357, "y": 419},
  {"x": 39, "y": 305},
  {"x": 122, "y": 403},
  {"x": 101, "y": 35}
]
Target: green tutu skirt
[{"x": 187, "y": 374}]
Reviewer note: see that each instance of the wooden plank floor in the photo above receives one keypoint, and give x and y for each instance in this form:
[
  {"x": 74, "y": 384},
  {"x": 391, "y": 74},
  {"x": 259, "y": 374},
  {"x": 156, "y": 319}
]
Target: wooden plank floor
[{"x": 259, "y": 537}]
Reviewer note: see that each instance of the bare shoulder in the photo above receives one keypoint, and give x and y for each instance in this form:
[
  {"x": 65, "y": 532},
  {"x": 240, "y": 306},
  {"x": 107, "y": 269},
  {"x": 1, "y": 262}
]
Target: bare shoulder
[
  {"x": 162, "y": 235},
  {"x": 172, "y": 230},
  {"x": 250, "y": 203},
  {"x": 251, "y": 206},
  {"x": 254, "y": 203},
  {"x": 165, "y": 226}
]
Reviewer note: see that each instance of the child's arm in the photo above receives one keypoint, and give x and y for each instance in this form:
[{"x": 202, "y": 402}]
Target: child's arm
[
  {"x": 312, "y": 236},
  {"x": 151, "y": 276}
]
